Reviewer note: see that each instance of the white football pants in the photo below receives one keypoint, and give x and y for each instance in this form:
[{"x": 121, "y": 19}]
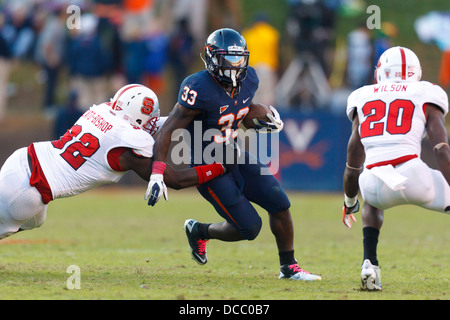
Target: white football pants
[
  {"x": 425, "y": 187},
  {"x": 21, "y": 205}
]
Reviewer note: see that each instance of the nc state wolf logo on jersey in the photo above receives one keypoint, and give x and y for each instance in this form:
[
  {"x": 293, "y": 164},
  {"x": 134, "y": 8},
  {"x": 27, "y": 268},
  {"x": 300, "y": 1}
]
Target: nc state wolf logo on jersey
[{"x": 147, "y": 106}]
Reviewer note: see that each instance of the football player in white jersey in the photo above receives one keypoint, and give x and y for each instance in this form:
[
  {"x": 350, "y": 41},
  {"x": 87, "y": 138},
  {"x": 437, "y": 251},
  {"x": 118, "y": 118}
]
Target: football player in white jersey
[
  {"x": 389, "y": 120},
  {"x": 107, "y": 141}
]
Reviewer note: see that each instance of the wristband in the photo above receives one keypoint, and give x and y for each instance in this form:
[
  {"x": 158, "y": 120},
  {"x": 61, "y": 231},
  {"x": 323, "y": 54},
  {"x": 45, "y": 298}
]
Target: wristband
[
  {"x": 353, "y": 168},
  {"x": 440, "y": 145},
  {"x": 158, "y": 167},
  {"x": 350, "y": 202},
  {"x": 208, "y": 172}
]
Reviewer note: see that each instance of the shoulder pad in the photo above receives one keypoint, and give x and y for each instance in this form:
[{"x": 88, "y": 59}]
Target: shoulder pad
[
  {"x": 352, "y": 103},
  {"x": 436, "y": 95},
  {"x": 137, "y": 139}
]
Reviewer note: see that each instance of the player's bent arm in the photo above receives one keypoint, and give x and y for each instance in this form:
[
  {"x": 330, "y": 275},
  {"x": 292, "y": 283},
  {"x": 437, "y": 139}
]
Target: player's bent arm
[
  {"x": 355, "y": 161},
  {"x": 438, "y": 139},
  {"x": 353, "y": 167},
  {"x": 180, "y": 117}
]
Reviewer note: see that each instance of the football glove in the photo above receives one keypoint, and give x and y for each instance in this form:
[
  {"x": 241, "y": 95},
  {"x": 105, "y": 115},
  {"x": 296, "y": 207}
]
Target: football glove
[
  {"x": 156, "y": 188},
  {"x": 348, "y": 217},
  {"x": 275, "y": 124}
]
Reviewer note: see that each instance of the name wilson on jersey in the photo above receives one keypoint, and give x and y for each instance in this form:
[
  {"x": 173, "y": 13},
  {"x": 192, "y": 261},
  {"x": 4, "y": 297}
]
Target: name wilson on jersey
[{"x": 390, "y": 88}]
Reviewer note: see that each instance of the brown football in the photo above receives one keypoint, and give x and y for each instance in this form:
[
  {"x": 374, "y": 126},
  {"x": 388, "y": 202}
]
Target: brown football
[{"x": 257, "y": 111}]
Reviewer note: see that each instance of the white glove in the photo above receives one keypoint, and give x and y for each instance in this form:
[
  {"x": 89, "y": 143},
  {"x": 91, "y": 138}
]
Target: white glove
[
  {"x": 156, "y": 188},
  {"x": 275, "y": 124},
  {"x": 347, "y": 214}
]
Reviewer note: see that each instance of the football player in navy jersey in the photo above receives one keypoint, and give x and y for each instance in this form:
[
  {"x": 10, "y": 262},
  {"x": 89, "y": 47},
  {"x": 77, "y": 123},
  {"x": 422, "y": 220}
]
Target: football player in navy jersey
[{"x": 219, "y": 98}]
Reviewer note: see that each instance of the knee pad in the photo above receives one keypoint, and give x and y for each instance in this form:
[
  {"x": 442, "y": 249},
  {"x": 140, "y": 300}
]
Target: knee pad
[
  {"x": 251, "y": 232},
  {"x": 278, "y": 200},
  {"x": 35, "y": 222}
]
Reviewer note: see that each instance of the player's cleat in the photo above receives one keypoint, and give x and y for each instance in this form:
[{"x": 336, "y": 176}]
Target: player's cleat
[
  {"x": 370, "y": 276},
  {"x": 197, "y": 245},
  {"x": 294, "y": 272}
]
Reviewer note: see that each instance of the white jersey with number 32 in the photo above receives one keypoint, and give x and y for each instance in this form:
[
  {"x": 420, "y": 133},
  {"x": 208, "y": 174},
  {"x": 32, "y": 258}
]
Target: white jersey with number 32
[
  {"x": 79, "y": 160},
  {"x": 392, "y": 117}
]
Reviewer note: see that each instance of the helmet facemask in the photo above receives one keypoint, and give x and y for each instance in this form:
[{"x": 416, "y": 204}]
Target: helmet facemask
[
  {"x": 151, "y": 125},
  {"x": 232, "y": 68}
]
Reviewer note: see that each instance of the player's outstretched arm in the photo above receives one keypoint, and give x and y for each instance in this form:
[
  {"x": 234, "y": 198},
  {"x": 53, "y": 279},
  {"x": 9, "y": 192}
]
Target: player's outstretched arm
[
  {"x": 439, "y": 139},
  {"x": 180, "y": 117},
  {"x": 175, "y": 179}
]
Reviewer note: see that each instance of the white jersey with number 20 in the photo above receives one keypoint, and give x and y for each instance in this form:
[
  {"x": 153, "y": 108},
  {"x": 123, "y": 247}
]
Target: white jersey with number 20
[
  {"x": 392, "y": 124},
  {"x": 392, "y": 117}
]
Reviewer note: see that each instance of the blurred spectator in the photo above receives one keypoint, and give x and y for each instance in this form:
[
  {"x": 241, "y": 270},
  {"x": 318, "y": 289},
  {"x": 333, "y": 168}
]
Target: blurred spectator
[
  {"x": 311, "y": 25},
  {"x": 157, "y": 46},
  {"x": 195, "y": 13},
  {"x": 434, "y": 28},
  {"x": 88, "y": 63},
  {"x": 359, "y": 57},
  {"x": 383, "y": 40},
  {"x": 138, "y": 15},
  {"x": 224, "y": 14},
  {"x": 444, "y": 70},
  {"x": 5, "y": 56},
  {"x": 67, "y": 115},
  {"x": 134, "y": 51},
  {"x": 111, "y": 42},
  {"x": 20, "y": 35},
  {"x": 110, "y": 14},
  {"x": 50, "y": 52},
  {"x": 304, "y": 83},
  {"x": 137, "y": 6},
  {"x": 181, "y": 52},
  {"x": 263, "y": 43}
]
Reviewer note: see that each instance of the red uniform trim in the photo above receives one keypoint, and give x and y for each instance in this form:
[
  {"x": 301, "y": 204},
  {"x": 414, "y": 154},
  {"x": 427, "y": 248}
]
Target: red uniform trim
[
  {"x": 393, "y": 162},
  {"x": 402, "y": 53},
  {"x": 113, "y": 158},
  {"x": 37, "y": 178},
  {"x": 221, "y": 205}
]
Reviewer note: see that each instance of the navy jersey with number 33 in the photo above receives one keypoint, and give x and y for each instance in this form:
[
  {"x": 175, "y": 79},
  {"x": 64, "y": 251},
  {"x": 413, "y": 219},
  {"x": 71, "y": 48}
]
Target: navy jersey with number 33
[{"x": 220, "y": 110}]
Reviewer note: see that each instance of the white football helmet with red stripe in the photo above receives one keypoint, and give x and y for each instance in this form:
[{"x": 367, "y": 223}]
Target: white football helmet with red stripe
[
  {"x": 398, "y": 64},
  {"x": 137, "y": 104}
]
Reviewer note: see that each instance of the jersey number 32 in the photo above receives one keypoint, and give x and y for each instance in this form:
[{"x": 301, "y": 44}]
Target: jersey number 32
[{"x": 78, "y": 149}]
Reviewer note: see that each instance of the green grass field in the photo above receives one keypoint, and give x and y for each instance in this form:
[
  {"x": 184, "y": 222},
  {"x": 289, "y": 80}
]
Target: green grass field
[{"x": 128, "y": 251}]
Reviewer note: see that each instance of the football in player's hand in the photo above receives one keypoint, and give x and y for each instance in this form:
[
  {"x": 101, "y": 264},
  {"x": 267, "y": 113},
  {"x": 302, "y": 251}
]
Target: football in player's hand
[{"x": 257, "y": 111}]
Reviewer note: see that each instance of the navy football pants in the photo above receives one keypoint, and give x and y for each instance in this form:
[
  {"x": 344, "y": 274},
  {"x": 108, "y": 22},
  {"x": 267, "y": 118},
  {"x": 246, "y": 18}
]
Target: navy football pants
[{"x": 232, "y": 193}]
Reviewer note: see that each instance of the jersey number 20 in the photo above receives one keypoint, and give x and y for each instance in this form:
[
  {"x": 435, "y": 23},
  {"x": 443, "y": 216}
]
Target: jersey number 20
[{"x": 399, "y": 117}]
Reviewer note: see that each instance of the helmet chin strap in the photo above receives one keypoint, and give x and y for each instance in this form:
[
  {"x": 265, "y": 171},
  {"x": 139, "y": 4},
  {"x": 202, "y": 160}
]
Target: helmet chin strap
[
  {"x": 232, "y": 75},
  {"x": 233, "y": 78}
]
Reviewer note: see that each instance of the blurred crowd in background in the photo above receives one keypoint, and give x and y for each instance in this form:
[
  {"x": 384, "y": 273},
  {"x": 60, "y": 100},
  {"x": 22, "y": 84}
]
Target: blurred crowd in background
[{"x": 141, "y": 41}]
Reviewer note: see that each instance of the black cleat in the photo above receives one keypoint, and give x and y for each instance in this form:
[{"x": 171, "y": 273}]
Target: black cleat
[{"x": 197, "y": 245}]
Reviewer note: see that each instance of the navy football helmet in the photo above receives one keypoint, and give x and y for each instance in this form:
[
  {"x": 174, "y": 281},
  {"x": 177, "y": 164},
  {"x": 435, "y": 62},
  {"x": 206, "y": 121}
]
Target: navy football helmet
[{"x": 226, "y": 56}]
